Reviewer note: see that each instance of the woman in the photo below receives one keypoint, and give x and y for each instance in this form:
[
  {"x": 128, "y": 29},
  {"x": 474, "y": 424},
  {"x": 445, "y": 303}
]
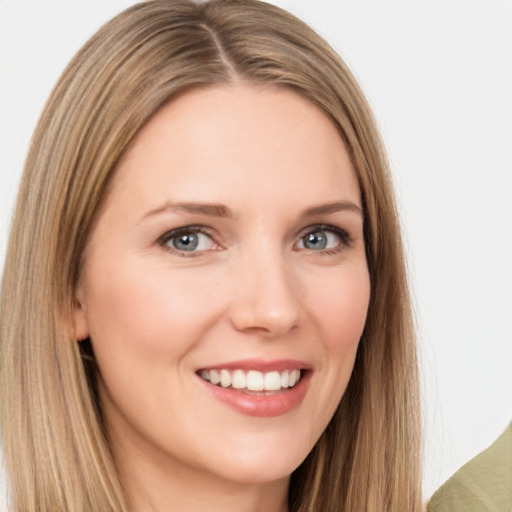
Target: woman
[{"x": 191, "y": 150}]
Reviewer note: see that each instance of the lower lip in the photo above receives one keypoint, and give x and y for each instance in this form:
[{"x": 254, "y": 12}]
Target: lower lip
[{"x": 264, "y": 406}]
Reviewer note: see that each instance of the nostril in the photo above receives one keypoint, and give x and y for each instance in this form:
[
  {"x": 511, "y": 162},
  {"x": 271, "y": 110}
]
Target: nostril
[
  {"x": 264, "y": 320},
  {"x": 266, "y": 301}
]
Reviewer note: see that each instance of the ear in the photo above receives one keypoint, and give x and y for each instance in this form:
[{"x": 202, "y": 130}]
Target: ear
[{"x": 80, "y": 322}]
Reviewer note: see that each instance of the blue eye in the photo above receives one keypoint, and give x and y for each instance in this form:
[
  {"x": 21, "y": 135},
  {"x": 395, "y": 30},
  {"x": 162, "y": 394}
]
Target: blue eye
[
  {"x": 316, "y": 241},
  {"x": 323, "y": 238},
  {"x": 188, "y": 240}
]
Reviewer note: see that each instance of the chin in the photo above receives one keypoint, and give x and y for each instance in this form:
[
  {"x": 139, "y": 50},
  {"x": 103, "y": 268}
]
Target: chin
[{"x": 263, "y": 465}]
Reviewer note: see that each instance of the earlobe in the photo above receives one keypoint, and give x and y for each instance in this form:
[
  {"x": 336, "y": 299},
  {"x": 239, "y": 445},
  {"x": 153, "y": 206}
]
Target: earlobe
[{"x": 80, "y": 323}]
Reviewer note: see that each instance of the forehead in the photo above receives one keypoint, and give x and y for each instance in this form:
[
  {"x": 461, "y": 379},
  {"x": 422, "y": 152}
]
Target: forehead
[{"x": 252, "y": 140}]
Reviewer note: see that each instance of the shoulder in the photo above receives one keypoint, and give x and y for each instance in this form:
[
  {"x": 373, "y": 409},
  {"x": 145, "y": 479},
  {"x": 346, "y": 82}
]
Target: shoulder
[{"x": 484, "y": 484}]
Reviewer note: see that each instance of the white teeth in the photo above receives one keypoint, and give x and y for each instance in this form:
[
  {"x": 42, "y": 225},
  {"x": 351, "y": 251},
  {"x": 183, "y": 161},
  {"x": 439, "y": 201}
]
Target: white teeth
[
  {"x": 285, "y": 379},
  {"x": 238, "y": 380},
  {"x": 253, "y": 380},
  {"x": 272, "y": 381},
  {"x": 225, "y": 378},
  {"x": 214, "y": 377}
]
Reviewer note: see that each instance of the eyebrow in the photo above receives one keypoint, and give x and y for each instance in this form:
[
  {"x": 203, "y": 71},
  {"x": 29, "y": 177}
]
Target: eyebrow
[
  {"x": 212, "y": 210},
  {"x": 340, "y": 206},
  {"x": 221, "y": 211}
]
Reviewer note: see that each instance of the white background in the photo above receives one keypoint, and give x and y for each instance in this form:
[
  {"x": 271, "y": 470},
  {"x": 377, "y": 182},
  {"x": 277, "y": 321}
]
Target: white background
[{"x": 438, "y": 74}]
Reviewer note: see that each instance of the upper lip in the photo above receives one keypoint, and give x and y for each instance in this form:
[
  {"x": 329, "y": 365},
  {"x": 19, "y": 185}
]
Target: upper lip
[{"x": 262, "y": 365}]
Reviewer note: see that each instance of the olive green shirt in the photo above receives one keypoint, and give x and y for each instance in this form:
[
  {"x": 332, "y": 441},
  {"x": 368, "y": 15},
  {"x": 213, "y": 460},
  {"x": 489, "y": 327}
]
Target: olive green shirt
[{"x": 484, "y": 484}]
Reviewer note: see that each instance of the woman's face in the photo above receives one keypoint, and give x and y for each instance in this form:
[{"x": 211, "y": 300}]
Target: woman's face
[{"x": 230, "y": 246}]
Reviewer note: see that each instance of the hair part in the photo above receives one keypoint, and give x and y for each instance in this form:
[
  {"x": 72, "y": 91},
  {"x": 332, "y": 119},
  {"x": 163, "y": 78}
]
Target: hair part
[{"x": 55, "y": 446}]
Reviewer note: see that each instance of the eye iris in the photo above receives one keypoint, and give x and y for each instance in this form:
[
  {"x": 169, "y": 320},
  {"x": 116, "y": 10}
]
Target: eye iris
[
  {"x": 316, "y": 241},
  {"x": 186, "y": 242}
]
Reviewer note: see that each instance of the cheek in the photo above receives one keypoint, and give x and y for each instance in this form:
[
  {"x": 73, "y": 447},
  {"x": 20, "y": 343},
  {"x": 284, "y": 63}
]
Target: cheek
[
  {"x": 341, "y": 316},
  {"x": 342, "y": 309},
  {"x": 140, "y": 311}
]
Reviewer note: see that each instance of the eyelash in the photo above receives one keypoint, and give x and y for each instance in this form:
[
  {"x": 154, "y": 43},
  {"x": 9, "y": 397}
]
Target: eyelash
[
  {"x": 344, "y": 236},
  {"x": 164, "y": 240}
]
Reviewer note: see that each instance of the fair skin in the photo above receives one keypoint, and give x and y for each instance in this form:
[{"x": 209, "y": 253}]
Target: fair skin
[{"x": 230, "y": 242}]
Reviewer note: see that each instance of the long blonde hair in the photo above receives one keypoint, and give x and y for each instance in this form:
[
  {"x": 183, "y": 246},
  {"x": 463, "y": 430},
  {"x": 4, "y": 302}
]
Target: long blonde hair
[{"x": 55, "y": 448}]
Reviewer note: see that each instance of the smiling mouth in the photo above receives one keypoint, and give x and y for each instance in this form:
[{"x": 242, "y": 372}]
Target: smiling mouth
[{"x": 252, "y": 380}]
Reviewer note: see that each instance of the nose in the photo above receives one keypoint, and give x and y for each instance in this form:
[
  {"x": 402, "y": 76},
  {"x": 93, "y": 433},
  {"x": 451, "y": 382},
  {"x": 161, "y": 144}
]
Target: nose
[{"x": 266, "y": 297}]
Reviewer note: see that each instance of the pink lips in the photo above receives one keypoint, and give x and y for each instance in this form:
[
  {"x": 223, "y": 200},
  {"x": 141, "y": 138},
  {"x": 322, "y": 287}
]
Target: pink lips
[{"x": 264, "y": 403}]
